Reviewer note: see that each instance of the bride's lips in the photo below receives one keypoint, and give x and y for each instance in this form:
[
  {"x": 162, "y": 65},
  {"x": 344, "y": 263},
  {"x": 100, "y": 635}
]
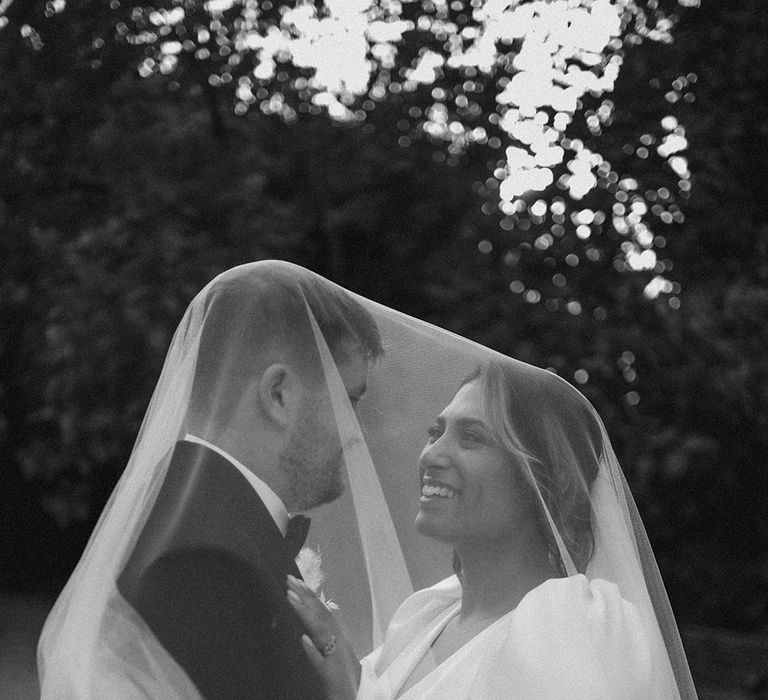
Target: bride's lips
[{"x": 432, "y": 488}]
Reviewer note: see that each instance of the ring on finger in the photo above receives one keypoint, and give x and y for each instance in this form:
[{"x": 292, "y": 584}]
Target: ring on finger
[{"x": 329, "y": 647}]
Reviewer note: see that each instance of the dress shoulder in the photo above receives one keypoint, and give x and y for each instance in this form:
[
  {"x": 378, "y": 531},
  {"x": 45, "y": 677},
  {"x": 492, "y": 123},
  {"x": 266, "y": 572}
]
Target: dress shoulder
[
  {"x": 415, "y": 613},
  {"x": 436, "y": 597},
  {"x": 577, "y": 600},
  {"x": 570, "y": 638}
]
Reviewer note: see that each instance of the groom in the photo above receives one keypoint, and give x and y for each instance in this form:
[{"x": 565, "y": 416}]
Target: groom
[{"x": 207, "y": 574}]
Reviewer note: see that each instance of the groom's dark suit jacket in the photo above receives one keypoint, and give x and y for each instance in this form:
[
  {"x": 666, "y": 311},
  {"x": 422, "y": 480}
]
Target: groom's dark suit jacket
[{"x": 209, "y": 581}]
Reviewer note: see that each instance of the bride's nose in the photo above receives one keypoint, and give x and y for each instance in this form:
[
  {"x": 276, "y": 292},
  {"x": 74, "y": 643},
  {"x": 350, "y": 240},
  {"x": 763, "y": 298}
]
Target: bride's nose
[{"x": 434, "y": 455}]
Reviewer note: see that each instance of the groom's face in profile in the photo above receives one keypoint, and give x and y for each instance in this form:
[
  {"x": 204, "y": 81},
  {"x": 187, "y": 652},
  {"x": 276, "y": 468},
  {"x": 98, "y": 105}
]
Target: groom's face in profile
[{"x": 314, "y": 456}]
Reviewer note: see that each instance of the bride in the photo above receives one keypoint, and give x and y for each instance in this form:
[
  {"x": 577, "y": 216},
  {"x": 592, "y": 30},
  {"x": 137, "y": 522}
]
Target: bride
[
  {"x": 554, "y": 591},
  {"x": 508, "y": 479}
]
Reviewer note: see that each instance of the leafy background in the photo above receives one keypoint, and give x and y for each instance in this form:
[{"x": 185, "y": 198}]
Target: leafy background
[{"x": 123, "y": 190}]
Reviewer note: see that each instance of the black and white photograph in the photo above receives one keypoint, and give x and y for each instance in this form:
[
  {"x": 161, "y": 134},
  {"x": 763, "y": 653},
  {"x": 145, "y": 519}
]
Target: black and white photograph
[{"x": 384, "y": 349}]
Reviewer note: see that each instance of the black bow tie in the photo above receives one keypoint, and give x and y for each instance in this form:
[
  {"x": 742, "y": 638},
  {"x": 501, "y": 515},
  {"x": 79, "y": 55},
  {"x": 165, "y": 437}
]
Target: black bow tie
[{"x": 298, "y": 527}]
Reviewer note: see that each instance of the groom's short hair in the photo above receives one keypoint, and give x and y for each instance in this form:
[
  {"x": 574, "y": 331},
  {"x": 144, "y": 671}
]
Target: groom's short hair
[
  {"x": 258, "y": 314},
  {"x": 344, "y": 323}
]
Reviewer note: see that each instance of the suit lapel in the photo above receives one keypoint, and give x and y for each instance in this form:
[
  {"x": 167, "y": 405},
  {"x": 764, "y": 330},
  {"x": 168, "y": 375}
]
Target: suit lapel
[{"x": 206, "y": 501}]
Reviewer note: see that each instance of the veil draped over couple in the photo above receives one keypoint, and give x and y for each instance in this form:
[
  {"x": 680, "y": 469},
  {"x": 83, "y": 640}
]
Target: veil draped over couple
[{"x": 472, "y": 534}]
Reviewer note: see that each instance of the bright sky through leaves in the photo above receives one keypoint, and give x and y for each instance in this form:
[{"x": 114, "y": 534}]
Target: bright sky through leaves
[
  {"x": 540, "y": 59},
  {"x": 519, "y": 78}
]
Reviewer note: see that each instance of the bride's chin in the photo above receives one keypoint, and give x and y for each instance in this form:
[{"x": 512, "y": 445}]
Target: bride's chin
[{"x": 426, "y": 525}]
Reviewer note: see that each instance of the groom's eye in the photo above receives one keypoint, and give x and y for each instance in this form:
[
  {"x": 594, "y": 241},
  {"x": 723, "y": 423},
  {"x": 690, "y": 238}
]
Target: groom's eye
[{"x": 433, "y": 433}]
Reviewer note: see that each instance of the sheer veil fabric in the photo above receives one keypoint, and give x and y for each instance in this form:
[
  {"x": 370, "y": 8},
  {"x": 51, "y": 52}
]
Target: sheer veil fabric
[{"x": 95, "y": 644}]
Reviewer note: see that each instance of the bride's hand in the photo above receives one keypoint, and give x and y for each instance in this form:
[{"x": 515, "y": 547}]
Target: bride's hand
[{"x": 327, "y": 648}]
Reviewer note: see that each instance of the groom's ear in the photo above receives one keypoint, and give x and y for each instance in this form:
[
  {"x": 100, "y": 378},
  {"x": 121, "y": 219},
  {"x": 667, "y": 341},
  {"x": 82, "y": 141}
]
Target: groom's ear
[{"x": 279, "y": 392}]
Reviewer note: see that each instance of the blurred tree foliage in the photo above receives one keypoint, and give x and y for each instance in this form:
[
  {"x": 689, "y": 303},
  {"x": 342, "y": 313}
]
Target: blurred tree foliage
[{"x": 121, "y": 196}]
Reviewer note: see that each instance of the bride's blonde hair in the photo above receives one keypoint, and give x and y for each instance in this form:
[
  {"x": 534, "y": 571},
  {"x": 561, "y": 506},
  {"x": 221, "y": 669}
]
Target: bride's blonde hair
[{"x": 555, "y": 444}]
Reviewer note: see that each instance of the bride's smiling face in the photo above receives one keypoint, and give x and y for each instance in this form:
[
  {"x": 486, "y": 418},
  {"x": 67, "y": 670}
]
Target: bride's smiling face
[{"x": 467, "y": 492}]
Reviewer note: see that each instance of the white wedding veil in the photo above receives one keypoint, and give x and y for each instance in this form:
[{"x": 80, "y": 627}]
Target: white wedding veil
[{"x": 95, "y": 645}]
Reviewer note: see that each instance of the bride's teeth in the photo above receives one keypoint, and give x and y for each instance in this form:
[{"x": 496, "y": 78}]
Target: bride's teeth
[{"x": 429, "y": 490}]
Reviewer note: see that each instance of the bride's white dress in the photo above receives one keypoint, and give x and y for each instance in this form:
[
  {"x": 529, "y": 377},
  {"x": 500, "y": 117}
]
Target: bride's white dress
[{"x": 568, "y": 638}]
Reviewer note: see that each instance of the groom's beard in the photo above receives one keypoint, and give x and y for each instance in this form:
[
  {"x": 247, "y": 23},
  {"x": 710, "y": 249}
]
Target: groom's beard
[{"x": 313, "y": 462}]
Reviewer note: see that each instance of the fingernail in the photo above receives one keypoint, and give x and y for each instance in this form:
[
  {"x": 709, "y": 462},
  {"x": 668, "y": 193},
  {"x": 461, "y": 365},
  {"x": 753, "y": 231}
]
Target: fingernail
[{"x": 293, "y": 597}]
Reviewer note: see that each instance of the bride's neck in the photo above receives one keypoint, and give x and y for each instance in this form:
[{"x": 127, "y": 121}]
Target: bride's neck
[{"x": 496, "y": 575}]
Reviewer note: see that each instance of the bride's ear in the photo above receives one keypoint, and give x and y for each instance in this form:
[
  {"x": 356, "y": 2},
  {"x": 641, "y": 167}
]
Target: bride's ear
[{"x": 279, "y": 394}]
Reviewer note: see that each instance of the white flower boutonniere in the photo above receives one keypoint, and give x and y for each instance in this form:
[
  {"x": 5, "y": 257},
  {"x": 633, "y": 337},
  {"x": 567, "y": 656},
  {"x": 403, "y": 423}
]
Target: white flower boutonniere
[{"x": 309, "y": 563}]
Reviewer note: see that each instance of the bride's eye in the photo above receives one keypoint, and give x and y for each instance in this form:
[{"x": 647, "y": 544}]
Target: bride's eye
[{"x": 470, "y": 436}]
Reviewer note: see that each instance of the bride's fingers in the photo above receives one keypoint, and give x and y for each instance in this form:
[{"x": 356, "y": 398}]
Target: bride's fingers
[
  {"x": 298, "y": 584},
  {"x": 299, "y": 587},
  {"x": 292, "y": 583},
  {"x": 338, "y": 671},
  {"x": 309, "y": 615},
  {"x": 300, "y": 594},
  {"x": 304, "y": 611},
  {"x": 315, "y": 657}
]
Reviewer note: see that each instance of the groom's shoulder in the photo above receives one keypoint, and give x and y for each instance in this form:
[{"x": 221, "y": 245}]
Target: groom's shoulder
[
  {"x": 201, "y": 577},
  {"x": 203, "y": 485},
  {"x": 192, "y": 462},
  {"x": 204, "y": 509}
]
